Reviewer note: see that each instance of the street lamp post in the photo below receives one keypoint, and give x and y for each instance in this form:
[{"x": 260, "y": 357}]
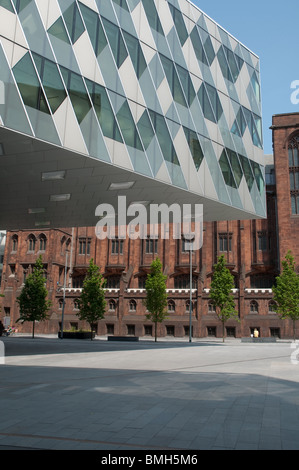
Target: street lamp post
[
  {"x": 64, "y": 287},
  {"x": 190, "y": 301}
]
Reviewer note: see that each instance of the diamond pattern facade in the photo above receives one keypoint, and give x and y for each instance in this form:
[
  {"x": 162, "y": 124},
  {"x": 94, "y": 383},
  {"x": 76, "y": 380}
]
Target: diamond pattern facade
[{"x": 151, "y": 86}]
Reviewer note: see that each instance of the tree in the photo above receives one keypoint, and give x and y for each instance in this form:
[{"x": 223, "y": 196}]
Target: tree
[
  {"x": 156, "y": 295},
  {"x": 286, "y": 291},
  {"x": 33, "y": 302},
  {"x": 221, "y": 293},
  {"x": 92, "y": 303}
]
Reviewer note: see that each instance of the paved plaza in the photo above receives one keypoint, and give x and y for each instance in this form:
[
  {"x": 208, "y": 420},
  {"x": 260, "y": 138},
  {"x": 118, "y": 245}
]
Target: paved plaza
[{"x": 170, "y": 395}]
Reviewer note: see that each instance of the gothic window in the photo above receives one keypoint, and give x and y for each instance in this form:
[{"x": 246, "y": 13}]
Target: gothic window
[
  {"x": 31, "y": 243},
  {"x": 294, "y": 173},
  {"x": 254, "y": 308},
  {"x": 112, "y": 305},
  {"x": 225, "y": 242},
  {"x": 171, "y": 306},
  {"x": 14, "y": 246},
  {"x": 42, "y": 243},
  {"x": 133, "y": 305}
]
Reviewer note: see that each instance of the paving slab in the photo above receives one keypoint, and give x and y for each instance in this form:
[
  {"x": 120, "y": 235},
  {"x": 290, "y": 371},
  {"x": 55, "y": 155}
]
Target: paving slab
[{"x": 165, "y": 396}]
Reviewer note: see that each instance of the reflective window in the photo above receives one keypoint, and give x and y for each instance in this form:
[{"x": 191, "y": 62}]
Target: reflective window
[
  {"x": 179, "y": 24},
  {"x": 235, "y": 165},
  {"x": 58, "y": 30},
  {"x": 226, "y": 170},
  {"x": 29, "y": 84},
  {"x": 73, "y": 22},
  {"x": 152, "y": 15},
  {"x": 122, "y": 4},
  {"x": 6, "y": 4},
  {"x": 247, "y": 171},
  {"x": 294, "y": 174},
  {"x": 136, "y": 53},
  {"x": 128, "y": 128},
  {"x": 103, "y": 111},
  {"x": 116, "y": 42},
  {"x": 51, "y": 81},
  {"x": 195, "y": 147},
  {"x": 164, "y": 138},
  {"x": 77, "y": 92},
  {"x": 94, "y": 29},
  {"x": 145, "y": 129},
  {"x": 21, "y": 4},
  {"x": 198, "y": 47},
  {"x": 186, "y": 84},
  {"x": 173, "y": 80}
]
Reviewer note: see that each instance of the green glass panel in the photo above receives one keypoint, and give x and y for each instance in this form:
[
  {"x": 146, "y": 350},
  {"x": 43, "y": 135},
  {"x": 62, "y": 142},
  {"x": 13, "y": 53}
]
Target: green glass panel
[
  {"x": 51, "y": 81},
  {"x": 195, "y": 147},
  {"x": 258, "y": 176},
  {"x": 224, "y": 65},
  {"x": 186, "y": 84},
  {"x": 206, "y": 104},
  {"x": 116, "y": 42},
  {"x": 21, "y": 4},
  {"x": 226, "y": 170},
  {"x": 247, "y": 171},
  {"x": 6, "y": 4},
  {"x": 215, "y": 101},
  {"x": 122, "y": 4},
  {"x": 103, "y": 111},
  {"x": 73, "y": 22},
  {"x": 152, "y": 15},
  {"x": 198, "y": 47},
  {"x": 208, "y": 46},
  {"x": 94, "y": 29},
  {"x": 179, "y": 24},
  {"x": 77, "y": 92},
  {"x": 29, "y": 84},
  {"x": 145, "y": 129},
  {"x": 173, "y": 80},
  {"x": 232, "y": 63},
  {"x": 165, "y": 141},
  {"x": 58, "y": 30},
  {"x": 235, "y": 165},
  {"x": 128, "y": 128},
  {"x": 136, "y": 54}
]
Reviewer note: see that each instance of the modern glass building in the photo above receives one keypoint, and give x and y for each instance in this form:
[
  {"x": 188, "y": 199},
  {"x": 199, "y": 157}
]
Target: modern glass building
[{"x": 146, "y": 98}]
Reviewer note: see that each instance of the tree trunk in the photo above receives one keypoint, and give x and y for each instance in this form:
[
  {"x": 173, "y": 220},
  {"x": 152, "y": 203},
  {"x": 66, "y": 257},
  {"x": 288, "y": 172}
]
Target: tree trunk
[
  {"x": 155, "y": 332},
  {"x": 294, "y": 329},
  {"x": 33, "y": 325},
  {"x": 223, "y": 331}
]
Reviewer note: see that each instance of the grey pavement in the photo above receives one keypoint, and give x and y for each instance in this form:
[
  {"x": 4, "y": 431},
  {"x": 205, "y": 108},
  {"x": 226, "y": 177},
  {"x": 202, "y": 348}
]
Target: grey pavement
[{"x": 171, "y": 395}]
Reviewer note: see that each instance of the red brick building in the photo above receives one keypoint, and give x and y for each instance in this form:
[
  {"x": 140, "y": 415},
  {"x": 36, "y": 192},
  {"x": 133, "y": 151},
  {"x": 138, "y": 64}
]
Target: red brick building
[{"x": 253, "y": 250}]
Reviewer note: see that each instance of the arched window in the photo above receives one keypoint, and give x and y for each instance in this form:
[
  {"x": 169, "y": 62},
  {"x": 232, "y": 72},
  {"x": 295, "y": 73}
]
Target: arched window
[
  {"x": 171, "y": 306},
  {"x": 14, "y": 243},
  {"x": 60, "y": 304},
  {"x": 76, "y": 304},
  {"x": 133, "y": 305},
  {"x": 31, "y": 242},
  {"x": 112, "y": 305},
  {"x": 294, "y": 173},
  {"x": 188, "y": 306},
  {"x": 254, "y": 308},
  {"x": 42, "y": 242},
  {"x": 211, "y": 307}
]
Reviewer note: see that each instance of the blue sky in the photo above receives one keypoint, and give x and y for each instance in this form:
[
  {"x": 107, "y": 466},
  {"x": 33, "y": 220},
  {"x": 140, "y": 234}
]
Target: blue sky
[{"x": 270, "y": 30}]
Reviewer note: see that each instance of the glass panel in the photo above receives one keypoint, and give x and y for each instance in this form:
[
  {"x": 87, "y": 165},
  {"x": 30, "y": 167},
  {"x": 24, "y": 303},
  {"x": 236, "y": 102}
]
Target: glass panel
[
  {"x": 77, "y": 93},
  {"x": 179, "y": 24},
  {"x": 205, "y": 104},
  {"x": 215, "y": 102},
  {"x": 116, "y": 42},
  {"x": 258, "y": 176},
  {"x": 94, "y": 28},
  {"x": 58, "y": 30},
  {"x": 51, "y": 81},
  {"x": 152, "y": 15},
  {"x": 145, "y": 129},
  {"x": 209, "y": 50},
  {"x": 226, "y": 170},
  {"x": 122, "y": 4},
  {"x": 187, "y": 84},
  {"x": 164, "y": 138},
  {"x": 195, "y": 147},
  {"x": 73, "y": 22},
  {"x": 232, "y": 64},
  {"x": 136, "y": 54},
  {"x": 103, "y": 111},
  {"x": 173, "y": 80},
  {"x": 224, "y": 65},
  {"x": 292, "y": 181},
  {"x": 236, "y": 167},
  {"x": 6, "y": 4},
  {"x": 293, "y": 203},
  {"x": 21, "y": 4},
  {"x": 198, "y": 47},
  {"x": 247, "y": 171},
  {"x": 291, "y": 161},
  {"x": 29, "y": 84},
  {"x": 297, "y": 180},
  {"x": 127, "y": 126}
]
